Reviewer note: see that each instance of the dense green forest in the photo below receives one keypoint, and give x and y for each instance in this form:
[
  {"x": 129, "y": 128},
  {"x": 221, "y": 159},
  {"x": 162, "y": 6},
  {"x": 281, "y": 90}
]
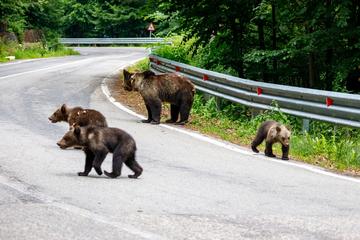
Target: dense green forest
[{"x": 303, "y": 43}]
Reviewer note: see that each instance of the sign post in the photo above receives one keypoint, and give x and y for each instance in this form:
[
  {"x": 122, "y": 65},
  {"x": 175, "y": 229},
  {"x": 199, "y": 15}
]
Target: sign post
[{"x": 151, "y": 28}]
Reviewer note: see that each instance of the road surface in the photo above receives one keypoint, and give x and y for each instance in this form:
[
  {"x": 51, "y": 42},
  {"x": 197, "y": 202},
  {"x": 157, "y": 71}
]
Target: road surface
[{"x": 190, "y": 188}]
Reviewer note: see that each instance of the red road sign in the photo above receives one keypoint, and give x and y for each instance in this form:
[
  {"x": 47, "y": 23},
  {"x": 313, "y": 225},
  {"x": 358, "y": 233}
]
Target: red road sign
[{"x": 151, "y": 27}]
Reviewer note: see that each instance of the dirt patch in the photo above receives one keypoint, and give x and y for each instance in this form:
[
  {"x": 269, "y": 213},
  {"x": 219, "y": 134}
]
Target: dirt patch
[{"x": 132, "y": 100}]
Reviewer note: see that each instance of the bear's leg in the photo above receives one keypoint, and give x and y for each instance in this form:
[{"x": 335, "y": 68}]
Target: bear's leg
[
  {"x": 257, "y": 141},
  {"x": 116, "y": 164},
  {"x": 155, "y": 106},
  {"x": 185, "y": 108},
  {"x": 174, "y": 111},
  {"x": 135, "y": 167},
  {"x": 88, "y": 163},
  {"x": 149, "y": 114},
  {"x": 268, "y": 150},
  {"x": 285, "y": 152},
  {"x": 99, "y": 158}
]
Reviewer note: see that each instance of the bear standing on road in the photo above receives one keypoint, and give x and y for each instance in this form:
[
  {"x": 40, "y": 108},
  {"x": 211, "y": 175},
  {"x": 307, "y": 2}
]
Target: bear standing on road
[
  {"x": 77, "y": 116},
  {"x": 155, "y": 89},
  {"x": 272, "y": 132},
  {"x": 97, "y": 142}
]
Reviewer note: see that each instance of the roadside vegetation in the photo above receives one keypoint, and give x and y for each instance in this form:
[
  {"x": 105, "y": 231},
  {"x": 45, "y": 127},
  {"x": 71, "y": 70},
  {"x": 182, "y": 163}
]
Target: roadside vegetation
[
  {"x": 32, "y": 51},
  {"x": 336, "y": 148}
]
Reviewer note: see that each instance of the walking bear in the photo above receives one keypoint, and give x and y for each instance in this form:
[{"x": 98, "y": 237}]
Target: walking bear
[
  {"x": 97, "y": 142},
  {"x": 272, "y": 132},
  {"x": 155, "y": 89},
  {"x": 77, "y": 116}
]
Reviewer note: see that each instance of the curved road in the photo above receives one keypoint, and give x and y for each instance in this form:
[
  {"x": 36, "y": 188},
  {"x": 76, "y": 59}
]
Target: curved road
[{"x": 190, "y": 189}]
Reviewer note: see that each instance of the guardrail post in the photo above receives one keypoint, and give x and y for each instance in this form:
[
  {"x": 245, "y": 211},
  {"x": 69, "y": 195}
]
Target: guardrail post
[
  {"x": 207, "y": 97},
  {"x": 255, "y": 112},
  {"x": 305, "y": 125}
]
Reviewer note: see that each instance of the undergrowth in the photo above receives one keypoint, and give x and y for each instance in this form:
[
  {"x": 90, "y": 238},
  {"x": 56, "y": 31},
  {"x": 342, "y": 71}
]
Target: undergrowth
[{"x": 33, "y": 51}]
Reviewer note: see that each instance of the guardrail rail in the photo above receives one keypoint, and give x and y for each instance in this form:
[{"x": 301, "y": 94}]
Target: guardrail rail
[
  {"x": 109, "y": 41},
  {"x": 333, "y": 107}
]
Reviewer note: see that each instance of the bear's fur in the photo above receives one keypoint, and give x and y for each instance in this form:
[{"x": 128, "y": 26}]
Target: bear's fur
[
  {"x": 155, "y": 89},
  {"x": 77, "y": 116},
  {"x": 97, "y": 142},
  {"x": 272, "y": 132}
]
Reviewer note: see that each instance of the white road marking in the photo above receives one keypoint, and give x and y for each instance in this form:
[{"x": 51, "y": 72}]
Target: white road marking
[
  {"x": 19, "y": 62},
  {"x": 216, "y": 142},
  {"x": 20, "y": 187},
  {"x": 47, "y": 68}
]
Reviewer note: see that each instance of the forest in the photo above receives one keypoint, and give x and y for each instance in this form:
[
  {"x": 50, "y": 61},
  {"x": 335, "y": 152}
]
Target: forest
[{"x": 301, "y": 43}]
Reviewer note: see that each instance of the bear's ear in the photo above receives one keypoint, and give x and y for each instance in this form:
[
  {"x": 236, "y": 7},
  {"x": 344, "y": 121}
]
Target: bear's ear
[
  {"x": 148, "y": 74},
  {"x": 278, "y": 128},
  {"x": 77, "y": 131},
  {"x": 63, "y": 108},
  {"x": 127, "y": 75}
]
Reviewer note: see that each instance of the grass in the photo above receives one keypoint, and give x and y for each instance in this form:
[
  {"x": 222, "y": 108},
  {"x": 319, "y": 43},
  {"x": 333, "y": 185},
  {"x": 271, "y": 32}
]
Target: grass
[
  {"x": 333, "y": 147},
  {"x": 32, "y": 51}
]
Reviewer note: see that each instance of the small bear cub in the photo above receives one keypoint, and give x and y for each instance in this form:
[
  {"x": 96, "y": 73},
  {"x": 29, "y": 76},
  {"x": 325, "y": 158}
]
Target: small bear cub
[
  {"x": 97, "y": 142},
  {"x": 77, "y": 116},
  {"x": 272, "y": 132}
]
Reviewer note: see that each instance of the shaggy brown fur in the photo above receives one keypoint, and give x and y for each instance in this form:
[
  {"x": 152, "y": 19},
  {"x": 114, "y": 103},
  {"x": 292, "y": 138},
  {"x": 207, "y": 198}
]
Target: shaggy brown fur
[
  {"x": 77, "y": 116},
  {"x": 97, "y": 142},
  {"x": 155, "y": 89},
  {"x": 272, "y": 132}
]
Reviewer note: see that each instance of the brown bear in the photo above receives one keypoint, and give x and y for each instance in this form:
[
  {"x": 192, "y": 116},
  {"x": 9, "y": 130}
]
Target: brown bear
[
  {"x": 77, "y": 116},
  {"x": 272, "y": 132},
  {"x": 97, "y": 142},
  {"x": 155, "y": 89}
]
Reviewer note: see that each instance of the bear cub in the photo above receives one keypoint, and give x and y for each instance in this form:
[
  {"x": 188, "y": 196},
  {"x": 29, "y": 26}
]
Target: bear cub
[
  {"x": 272, "y": 132},
  {"x": 97, "y": 142},
  {"x": 77, "y": 116},
  {"x": 155, "y": 89}
]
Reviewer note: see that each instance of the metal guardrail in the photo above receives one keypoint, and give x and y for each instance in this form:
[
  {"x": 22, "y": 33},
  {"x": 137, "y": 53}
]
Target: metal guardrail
[
  {"x": 334, "y": 107},
  {"x": 109, "y": 41}
]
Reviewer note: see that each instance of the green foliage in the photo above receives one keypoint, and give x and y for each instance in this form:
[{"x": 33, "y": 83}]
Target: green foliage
[
  {"x": 179, "y": 50},
  {"x": 302, "y": 43},
  {"x": 32, "y": 51},
  {"x": 140, "y": 66}
]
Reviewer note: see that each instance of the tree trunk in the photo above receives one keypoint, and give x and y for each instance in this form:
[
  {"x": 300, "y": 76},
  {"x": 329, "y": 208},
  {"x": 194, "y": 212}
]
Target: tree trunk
[
  {"x": 261, "y": 36},
  {"x": 329, "y": 76},
  {"x": 237, "y": 58},
  {"x": 312, "y": 71},
  {"x": 273, "y": 26}
]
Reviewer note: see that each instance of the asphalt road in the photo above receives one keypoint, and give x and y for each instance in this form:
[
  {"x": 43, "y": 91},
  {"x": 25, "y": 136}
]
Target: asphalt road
[{"x": 190, "y": 188}]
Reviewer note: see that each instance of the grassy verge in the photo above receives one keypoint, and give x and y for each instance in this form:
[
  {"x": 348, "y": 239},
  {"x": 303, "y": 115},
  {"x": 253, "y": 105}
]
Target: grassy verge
[
  {"x": 333, "y": 147},
  {"x": 32, "y": 51}
]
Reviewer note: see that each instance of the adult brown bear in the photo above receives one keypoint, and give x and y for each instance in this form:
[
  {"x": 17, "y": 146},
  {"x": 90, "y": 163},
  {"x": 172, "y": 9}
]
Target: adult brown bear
[
  {"x": 272, "y": 132},
  {"x": 155, "y": 89},
  {"x": 97, "y": 142}
]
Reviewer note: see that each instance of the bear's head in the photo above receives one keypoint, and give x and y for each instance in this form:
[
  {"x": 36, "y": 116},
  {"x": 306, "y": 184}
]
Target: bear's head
[
  {"x": 60, "y": 114},
  {"x": 283, "y": 134},
  {"x": 72, "y": 138},
  {"x": 133, "y": 81},
  {"x": 127, "y": 80}
]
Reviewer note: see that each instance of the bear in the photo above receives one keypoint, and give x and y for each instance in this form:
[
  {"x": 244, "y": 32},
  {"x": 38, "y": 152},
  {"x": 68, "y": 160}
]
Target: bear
[
  {"x": 77, "y": 116},
  {"x": 155, "y": 89},
  {"x": 272, "y": 132},
  {"x": 97, "y": 142}
]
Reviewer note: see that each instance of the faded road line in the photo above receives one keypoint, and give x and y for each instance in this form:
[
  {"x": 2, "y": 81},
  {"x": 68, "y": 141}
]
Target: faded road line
[
  {"x": 47, "y": 68},
  {"x": 22, "y": 188}
]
